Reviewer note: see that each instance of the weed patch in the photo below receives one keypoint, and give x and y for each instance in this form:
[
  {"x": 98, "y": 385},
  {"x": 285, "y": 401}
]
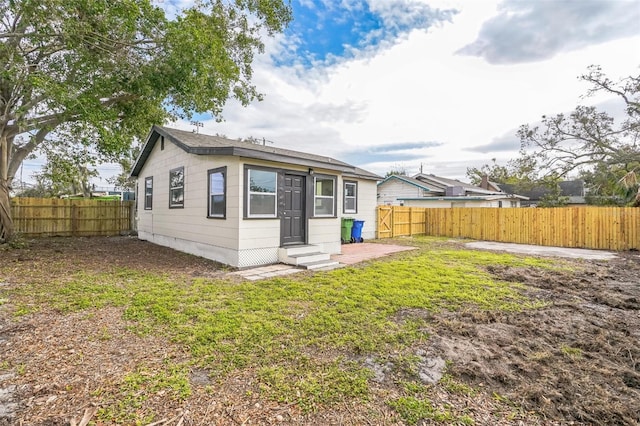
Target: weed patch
[
  {"x": 311, "y": 384},
  {"x": 412, "y": 410},
  {"x": 138, "y": 386}
]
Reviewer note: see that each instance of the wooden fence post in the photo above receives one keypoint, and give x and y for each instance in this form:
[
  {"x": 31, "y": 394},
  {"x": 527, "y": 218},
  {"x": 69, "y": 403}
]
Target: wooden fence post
[
  {"x": 75, "y": 222},
  {"x": 132, "y": 217}
]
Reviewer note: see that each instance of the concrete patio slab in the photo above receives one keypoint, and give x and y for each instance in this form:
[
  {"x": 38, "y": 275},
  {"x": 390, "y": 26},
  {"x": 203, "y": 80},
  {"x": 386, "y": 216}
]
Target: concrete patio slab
[
  {"x": 359, "y": 252},
  {"x": 351, "y": 254},
  {"x": 572, "y": 253}
]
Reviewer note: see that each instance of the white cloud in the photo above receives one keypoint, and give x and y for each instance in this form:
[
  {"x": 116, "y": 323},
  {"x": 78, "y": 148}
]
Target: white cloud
[
  {"x": 526, "y": 31},
  {"x": 420, "y": 90}
]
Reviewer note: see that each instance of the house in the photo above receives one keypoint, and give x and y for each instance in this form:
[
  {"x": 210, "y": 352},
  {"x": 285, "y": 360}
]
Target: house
[
  {"x": 572, "y": 190},
  {"x": 427, "y": 190},
  {"x": 245, "y": 204}
]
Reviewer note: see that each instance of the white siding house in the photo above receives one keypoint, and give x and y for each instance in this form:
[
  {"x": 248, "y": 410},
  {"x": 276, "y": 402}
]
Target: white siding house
[
  {"x": 240, "y": 203},
  {"x": 432, "y": 191}
]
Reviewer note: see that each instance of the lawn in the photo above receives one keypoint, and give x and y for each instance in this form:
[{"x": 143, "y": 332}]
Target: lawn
[{"x": 132, "y": 333}]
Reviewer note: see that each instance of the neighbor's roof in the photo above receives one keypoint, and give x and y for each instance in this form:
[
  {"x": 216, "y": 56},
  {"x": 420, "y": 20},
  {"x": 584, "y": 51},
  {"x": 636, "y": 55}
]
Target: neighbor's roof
[
  {"x": 504, "y": 196},
  {"x": 201, "y": 144},
  {"x": 441, "y": 183},
  {"x": 411, "y": 181},
  {"x": 437, "y": 187}
]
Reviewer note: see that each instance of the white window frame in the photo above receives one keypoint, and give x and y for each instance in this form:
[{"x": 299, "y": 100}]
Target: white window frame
[
  {"x": 354, "y": 197},
  {"x": 178, "y": 205},
  {"x": 222, "y": 171},
  {"x": 324, "y": 197},
  {"x": 148, "y": 193},
  {"x": 250, "y": 193}
]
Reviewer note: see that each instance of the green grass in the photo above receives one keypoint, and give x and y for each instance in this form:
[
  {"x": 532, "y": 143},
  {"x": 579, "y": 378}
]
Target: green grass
[
  {"x": 413, "y": 409},
  {"x": 456, "y": 387},
  {"x": 414, "y": 405},
  {"x": 21, "y": 369},
  {"x": 571, "y": 352},
  {"x": 310, "y": 383},
  {"x": 171, "y": 382},
  {"x": 276, "y": 326}
]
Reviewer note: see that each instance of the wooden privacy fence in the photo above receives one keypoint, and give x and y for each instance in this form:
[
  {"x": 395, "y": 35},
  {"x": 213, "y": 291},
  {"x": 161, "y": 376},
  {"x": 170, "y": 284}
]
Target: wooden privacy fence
[
  {"x": 39, "y": 217},
  {"x": 606, "y": 228}
]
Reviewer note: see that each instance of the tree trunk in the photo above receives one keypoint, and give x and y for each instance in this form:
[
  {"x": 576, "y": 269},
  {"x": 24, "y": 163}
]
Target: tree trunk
[{"x": 6, "y": 222}]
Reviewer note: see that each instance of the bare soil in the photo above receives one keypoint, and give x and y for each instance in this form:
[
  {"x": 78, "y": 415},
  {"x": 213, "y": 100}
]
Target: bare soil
[{"x": 575, "y": 360}]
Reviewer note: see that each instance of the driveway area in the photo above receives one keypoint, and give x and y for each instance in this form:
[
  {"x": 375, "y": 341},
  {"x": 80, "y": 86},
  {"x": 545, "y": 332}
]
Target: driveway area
[{"x": 571, "y": 253}]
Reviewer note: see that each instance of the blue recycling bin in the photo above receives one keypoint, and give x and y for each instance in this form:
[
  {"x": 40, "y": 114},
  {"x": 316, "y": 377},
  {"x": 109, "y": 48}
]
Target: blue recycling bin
[{"x": 356, "y": 231}]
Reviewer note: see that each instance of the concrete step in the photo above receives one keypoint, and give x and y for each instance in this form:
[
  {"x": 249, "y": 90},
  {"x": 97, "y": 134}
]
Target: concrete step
[
  {"x": 299, "y": 249},
  {"x": 324, "y": 265},
  {"x": 297, "y": 259}
]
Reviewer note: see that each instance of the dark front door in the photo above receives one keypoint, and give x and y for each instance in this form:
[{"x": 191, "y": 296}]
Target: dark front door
[{"x": 293, "y": 217}]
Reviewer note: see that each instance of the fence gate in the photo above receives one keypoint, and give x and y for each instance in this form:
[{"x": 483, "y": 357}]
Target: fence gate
[{"x": 385, "y": 222}]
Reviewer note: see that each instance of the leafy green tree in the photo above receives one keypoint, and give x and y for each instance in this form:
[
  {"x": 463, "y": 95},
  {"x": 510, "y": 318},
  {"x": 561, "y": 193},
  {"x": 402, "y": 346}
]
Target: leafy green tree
[
  {"x": 124, "y": 181},
  {"x": 100, "y": 72},
  {"x": 590, "y": 142},
  {"x": 607, "y": 185},
  {"x": 521, "y": 172},
  {"x": 67, "y": 171},
  {"x": 629, "y": 186},
  {"x": 38, "y": 191},
  {"x": 554, "y": 197},
  {"x": 522, "y": 175},
  {"x": 396, "y": 171}
]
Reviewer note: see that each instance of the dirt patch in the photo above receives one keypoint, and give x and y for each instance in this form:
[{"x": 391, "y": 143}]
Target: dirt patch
[
  {"x": 71, "y": 255},
  {"x": 576, "y": 359}
]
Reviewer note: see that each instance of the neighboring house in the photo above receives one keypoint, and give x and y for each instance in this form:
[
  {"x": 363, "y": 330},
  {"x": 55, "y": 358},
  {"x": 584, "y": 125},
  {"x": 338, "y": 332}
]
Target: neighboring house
[
  {"x": 573, "y": 190},
  {"x": 426, "y": 190},
  {"x": 240, "y": 203}
]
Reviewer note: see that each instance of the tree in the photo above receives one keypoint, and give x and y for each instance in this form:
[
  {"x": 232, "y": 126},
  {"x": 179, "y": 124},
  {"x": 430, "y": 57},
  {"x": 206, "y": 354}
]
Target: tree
[
  {"x": 521, "y": 172},
  {"x": 590, "y": 142},
  {"x": 606, "y": 185},
  {"x": 522, "y": 175},
  {"x": 68, "y": 170},
  {"x": 100, "y": 73},
  {"x": 124, "y": 181},
  {"x": 396, "y": 171},
  {"x": 629, "y": 186}
]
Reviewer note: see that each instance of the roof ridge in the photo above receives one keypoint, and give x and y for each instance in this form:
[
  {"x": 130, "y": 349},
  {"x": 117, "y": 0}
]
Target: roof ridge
[{"x": 205, "y": 144}]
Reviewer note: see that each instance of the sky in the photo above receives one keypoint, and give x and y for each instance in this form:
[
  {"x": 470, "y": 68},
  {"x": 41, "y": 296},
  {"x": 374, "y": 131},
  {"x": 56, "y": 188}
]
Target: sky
[{"x": 437, "y": 85}]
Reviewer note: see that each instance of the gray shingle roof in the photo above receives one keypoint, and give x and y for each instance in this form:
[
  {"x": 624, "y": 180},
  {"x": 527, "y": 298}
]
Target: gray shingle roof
[
  {"x": 362, "y": 173},
  {"x": 441, "y": 183},
  {"x": 409, "y": 180},
  {"x": 201, "y": 144}
]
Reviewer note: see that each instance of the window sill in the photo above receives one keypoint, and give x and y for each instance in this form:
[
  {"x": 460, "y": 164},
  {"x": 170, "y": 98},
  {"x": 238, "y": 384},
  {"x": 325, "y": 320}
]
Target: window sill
[{"x": 261, "y": 218}]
